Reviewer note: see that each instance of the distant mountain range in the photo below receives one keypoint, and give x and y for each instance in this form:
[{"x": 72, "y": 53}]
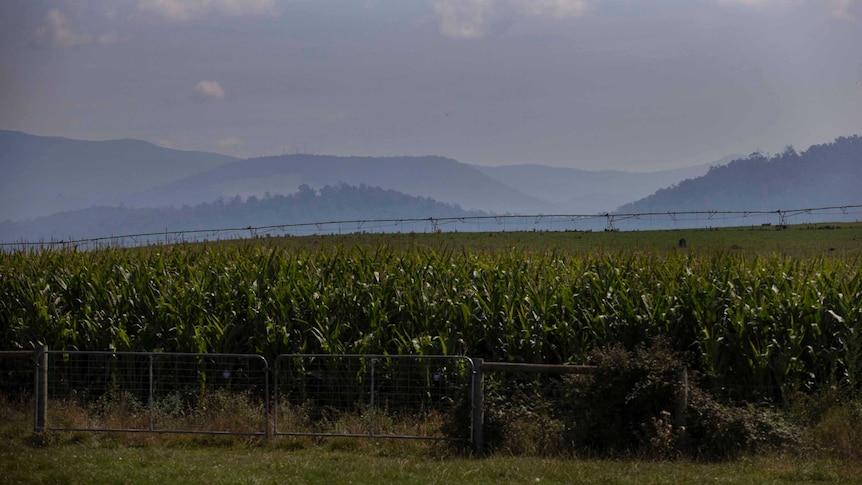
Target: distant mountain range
[
  {"x": 306, "y": 206},
  {"x": 572, "y": 191},
  {"x": 823, "y": 176},
  {"x": 519, "y": 189},
  {"x": 134, "y": 186},
  {"x": 441, "y": 179},
  {"x": 47, "y": 175}
]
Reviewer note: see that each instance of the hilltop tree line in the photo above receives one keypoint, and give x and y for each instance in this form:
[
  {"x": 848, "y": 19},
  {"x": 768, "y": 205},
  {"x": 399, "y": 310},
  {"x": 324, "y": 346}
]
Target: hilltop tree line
[
  {"x": 822, "y": 176},
  {"x": 307, "y": 205}
]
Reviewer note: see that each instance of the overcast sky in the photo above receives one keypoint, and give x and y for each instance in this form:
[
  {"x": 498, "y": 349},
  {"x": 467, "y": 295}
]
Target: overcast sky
[{"x": 593, "y": 84}]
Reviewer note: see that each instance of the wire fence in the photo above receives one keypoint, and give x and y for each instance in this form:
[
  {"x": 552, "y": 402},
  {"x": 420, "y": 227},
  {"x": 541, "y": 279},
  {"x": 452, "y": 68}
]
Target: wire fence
[
  {"x": 435, "y": 398},
  {"x": 489, "y": 223},
  {"x": 157, "y": 392},
  {"x": 413, "y": 397},
  {"x": 420, "y": 397}
]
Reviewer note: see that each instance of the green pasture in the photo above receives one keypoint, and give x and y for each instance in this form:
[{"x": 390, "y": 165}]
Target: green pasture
[{"x": 834, "y": 239}]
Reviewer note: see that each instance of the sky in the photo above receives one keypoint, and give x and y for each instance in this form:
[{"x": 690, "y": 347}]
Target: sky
[{"x": 591, "y": 84}]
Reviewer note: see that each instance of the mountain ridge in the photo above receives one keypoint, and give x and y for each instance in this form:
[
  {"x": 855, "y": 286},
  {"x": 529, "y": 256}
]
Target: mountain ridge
[
  {"x": 306, "y": 206},
  {"x": 824, "y": 175},
  {"x": 49, "y": 175},
  {"x": 440, "y": 178},
  {"x": 590, "y": 192},
  {"x": 45, "y": 175}
]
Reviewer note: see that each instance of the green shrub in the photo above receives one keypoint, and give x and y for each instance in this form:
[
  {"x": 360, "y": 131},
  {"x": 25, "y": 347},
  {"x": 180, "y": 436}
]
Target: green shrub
[
  {"x": 627, "y": 406},
  {"x": 631, "y": 407},
  {"x": 718, "y": 431},
  {"x": 519, "y": 417}
]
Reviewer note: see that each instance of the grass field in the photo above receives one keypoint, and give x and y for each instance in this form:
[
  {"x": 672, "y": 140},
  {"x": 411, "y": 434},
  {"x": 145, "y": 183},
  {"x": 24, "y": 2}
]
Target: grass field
[
  {"x": 82, "y": 464},
  {"x": 72, "y": 458},
  {"x": 140, "y": 458},
  {"x": 806, "y": 240},
  {"x": 89, "y": 462}
]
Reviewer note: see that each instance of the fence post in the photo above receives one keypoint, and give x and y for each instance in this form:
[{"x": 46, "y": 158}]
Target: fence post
[
  {"x": 681, "y": 405},
  {"x": 150, "y": 396},
  {"x": 41, "y": 354},
  {"x": 478, "y": 414},
  {"x": 371, "y": 403},
  {"x": 268, "y": 404}
]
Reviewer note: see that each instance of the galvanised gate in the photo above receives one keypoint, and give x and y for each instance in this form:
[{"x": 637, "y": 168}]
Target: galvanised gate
[
  {"x": 413, "y": 397},
  {"x": 387, "y": 396}
]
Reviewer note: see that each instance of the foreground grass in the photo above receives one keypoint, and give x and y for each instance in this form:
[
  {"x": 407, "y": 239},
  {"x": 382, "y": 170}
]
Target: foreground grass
[
  {"x": 95, "y": 462},
  {"x": 89, "y": 460},
  {"x": 177, "y": 459}
]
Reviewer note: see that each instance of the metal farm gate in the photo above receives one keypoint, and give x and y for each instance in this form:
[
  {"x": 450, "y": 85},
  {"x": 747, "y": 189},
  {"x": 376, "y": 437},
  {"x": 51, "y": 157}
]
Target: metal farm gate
[
  {"x": 431, "y": 397},
  {"x": 155, "y": 392},
  {"x": 387, "y": 396}
]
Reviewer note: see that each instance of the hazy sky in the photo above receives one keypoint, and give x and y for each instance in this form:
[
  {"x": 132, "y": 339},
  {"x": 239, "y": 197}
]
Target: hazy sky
[{"x": 594, "y": 84}]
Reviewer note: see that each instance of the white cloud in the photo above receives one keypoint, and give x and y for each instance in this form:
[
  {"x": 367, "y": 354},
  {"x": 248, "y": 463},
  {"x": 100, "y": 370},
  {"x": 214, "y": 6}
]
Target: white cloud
[
  {"x": 845, "y": 9},
  {"x": 557, "y": 9},
  {"x": 463, "y": 19},
  {"x": 108, "y": 38},
  {"x": 840, "y": 9},
  {"x": 209, "y": 89},
  {"x": 57, "y": 33},
  {"x": 470, "y": 19},
  {"x": 182, "y": 10}
]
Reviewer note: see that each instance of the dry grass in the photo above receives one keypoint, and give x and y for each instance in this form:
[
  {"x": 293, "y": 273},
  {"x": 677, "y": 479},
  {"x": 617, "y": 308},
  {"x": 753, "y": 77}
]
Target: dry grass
[{"x": 76, "y": 457}]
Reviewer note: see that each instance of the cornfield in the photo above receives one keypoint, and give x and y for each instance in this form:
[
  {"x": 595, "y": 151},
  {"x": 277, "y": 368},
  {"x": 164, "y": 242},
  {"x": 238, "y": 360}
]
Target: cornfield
[{"x": 757, "y": 325}]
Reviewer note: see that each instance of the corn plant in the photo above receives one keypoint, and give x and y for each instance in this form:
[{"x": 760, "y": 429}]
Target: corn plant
[{"x": 760, "y": 326}]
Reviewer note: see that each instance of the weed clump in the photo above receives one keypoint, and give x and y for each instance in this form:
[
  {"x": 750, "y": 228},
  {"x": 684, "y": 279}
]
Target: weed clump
[{"x": 638, "y": 405}]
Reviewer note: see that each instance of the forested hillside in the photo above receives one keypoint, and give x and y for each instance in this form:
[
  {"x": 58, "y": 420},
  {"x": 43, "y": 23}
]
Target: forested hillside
[
  {"x": 439, "y": 178},
  {"x": 330, "y": 203},
  {"x": 824, "y": 175}
]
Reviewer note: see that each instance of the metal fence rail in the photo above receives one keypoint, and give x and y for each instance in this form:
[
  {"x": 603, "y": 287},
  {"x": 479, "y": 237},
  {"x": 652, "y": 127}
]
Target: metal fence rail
[
  {"x": 410, "y": 397},
  {"x": 413, "y": 397},
  {"x": 157, "y": 392}
]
